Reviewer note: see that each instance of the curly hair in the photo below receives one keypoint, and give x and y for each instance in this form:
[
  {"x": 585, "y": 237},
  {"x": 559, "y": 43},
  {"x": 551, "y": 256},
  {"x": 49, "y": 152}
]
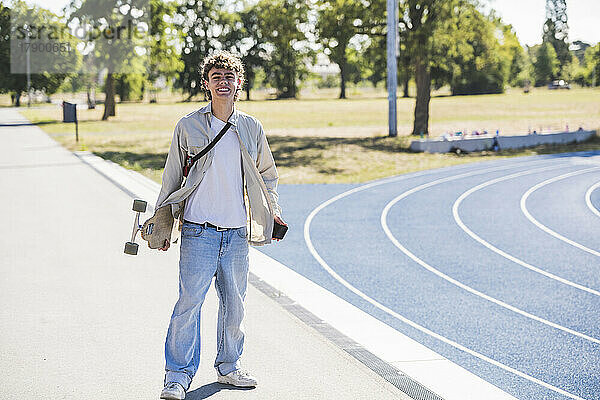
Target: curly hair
[{"x": 223, "y": 60}]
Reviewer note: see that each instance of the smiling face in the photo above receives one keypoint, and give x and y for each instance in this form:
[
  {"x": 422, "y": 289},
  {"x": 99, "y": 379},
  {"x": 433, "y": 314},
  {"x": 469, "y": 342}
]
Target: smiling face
[
  {"x": 217, "y": 70},
  {"x": 223, "y": 83}
]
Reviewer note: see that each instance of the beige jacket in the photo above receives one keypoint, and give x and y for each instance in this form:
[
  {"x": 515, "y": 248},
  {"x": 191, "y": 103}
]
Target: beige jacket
[{"x": 258, "y": 170}]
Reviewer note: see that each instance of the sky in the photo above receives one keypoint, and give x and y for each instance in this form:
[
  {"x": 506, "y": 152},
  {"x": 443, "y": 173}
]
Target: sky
[{"x": 526, "y": 16}]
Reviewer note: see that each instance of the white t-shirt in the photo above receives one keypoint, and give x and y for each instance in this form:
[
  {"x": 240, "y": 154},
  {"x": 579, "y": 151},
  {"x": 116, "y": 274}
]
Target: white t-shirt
[{"x": 219, "y": 197}]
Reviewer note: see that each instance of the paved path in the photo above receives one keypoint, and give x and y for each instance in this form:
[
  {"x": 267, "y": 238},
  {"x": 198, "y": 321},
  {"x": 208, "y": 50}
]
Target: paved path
[
  {"x": 81, "y": 320},
  {"x": 493, "y": 265}
]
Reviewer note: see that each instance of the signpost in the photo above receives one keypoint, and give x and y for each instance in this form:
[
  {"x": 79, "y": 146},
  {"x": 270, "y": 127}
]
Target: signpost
[
  {"x": 28, "y": 68},
  {"x": 392, "y": 67},
  {"x": 70, "y": 115}
]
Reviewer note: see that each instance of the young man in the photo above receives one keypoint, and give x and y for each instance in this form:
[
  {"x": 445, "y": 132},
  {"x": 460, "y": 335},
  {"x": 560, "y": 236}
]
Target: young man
[{"x": 228, "y": 200}]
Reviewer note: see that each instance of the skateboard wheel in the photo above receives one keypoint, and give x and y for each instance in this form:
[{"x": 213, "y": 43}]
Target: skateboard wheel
[
  {"x": 131, "y": 248},
  {"x": 139, "y": 205}
]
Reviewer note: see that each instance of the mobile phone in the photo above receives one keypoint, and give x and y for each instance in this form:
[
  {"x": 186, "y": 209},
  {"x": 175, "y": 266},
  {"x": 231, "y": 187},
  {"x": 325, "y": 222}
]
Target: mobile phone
[{"x": 279, "y": 230}]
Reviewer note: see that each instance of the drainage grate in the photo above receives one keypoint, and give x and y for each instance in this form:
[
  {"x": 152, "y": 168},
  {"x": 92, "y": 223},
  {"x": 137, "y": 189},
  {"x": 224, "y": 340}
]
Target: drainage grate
[{"x": 387, "y": 371}]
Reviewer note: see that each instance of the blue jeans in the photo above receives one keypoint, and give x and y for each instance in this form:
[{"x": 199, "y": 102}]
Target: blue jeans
[{"x": 206, "y": 253}]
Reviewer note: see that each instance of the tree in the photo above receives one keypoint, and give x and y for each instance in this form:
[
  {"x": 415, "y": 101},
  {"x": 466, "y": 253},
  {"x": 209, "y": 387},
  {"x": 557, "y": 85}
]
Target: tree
[
  {"x": 574, "y": 72},
  {"x": 556, "y": 30},
  {"x": 207, "y": 27},
  {"x": 6, "y": 81},
  {"x": 514, "y": 54},
  {"x": 129, "y": 87},
  {"x": 46, "y": 79},
  {"x": 373, "y": 61},
  {"x": 337, "y": 24},
  {"x": 578, "y": 50},
  {"x": 252, "y": 46},
  {"x": 372, "y": 30},
  {"x": 89, "y": 78},
  {"x": 283, "y": 24},
  {"x": 405, "y": 69},
  {"x": 164, "y": 61},
  {"x": 419, "y": 20},
  {"x": 545, "y": 64},
  {"x": 194, "y": 19},
  {"x": 468, "y": 54},
  {"x": 245, "y": 38},
  {"x": 592, "y": 65},
  {"x": 117, "y": 48}
]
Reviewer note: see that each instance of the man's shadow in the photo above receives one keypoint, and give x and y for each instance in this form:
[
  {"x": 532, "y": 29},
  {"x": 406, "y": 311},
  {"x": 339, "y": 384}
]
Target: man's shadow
[{"x": 209, "y": 389}]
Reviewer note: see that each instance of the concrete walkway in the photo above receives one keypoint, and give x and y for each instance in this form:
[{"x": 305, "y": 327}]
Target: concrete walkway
[{"x": 79, "y": 319}]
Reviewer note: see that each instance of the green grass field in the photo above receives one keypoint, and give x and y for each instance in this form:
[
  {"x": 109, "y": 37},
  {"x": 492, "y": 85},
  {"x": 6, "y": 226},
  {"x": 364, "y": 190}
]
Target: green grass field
[{"x": 325, "y": 140}]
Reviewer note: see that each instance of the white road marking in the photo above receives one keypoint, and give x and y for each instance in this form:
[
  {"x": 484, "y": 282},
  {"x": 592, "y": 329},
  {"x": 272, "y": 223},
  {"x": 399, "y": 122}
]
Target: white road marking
[
  {"x": 488, "y": 245},
  {"x": 544, "y": 227},
  {"x": 454, "y": 281},
  {"x": 398, "y": 316},
  {"x": 588, "y": 199}
]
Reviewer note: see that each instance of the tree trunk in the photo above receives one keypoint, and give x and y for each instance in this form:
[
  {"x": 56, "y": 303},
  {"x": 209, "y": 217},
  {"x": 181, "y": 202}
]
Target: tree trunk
[
  {"x": 248, "y": 91},
  {"x": 109, "y": 100},
  {"x": 289, "y": 80},
  {"x": 143, "y": 91},
  {"x": 292, "y": 85},
  {"x": 343, "y": 78},
  {"x": 423, "y": 80},
  {"x": 91, "y": 97},
  {"x": 406, "y": 62},
  {"x": 289, "y": 87}
]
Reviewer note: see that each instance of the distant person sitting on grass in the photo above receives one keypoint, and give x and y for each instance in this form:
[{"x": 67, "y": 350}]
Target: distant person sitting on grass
[{"x": 228, "y": 200}]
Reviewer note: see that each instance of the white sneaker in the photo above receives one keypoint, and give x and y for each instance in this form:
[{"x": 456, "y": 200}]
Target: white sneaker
[
  {"x": 173, "y": 391},
  {"x": 237, "y": 378}
]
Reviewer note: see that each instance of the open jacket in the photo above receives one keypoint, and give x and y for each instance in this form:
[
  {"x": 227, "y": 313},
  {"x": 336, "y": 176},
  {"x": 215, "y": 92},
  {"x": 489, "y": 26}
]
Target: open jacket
[{"x": 258, "y": 170}]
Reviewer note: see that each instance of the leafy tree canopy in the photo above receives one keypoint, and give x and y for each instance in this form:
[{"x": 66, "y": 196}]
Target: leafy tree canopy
[
  {"x": 284, "y": 25},
  {"x": 44, "y": 81},
  {"x": 545, "y": 64}
]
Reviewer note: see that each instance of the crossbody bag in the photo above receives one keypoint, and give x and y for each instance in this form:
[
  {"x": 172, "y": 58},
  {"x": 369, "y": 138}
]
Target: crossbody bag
[{"x": 158, "y": 228}]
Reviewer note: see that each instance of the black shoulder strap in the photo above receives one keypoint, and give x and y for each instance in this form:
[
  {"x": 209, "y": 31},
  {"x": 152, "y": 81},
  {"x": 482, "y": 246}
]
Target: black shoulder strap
[
  {"x": 191, "y": 160},
  {"x": 212, "y": 144}
]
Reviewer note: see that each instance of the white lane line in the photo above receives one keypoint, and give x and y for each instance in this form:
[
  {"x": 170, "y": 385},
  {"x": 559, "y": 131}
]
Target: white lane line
[
  {"x": 461, "y": 285},
  {"x": 588, "y": 199},
  {"x": 396, "y": 315},
  {"x": 544, "y": 227},
  {"x": 478, "y": 238}
]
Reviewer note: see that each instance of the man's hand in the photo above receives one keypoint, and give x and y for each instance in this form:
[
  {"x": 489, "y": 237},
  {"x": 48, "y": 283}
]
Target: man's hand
[
  {"x": 166, "y": 246},
  {"x": 279, "y": 221}
]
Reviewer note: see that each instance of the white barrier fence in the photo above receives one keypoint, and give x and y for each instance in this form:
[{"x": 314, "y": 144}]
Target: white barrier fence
[{"x": 470, "y": 144}]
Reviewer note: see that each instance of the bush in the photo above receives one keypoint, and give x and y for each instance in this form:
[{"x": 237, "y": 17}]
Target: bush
[{"x": 328, "y": 81}]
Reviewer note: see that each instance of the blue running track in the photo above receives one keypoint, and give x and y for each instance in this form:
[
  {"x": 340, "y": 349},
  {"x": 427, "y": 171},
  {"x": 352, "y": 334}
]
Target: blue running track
[{"x": 496, "y": 264}]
